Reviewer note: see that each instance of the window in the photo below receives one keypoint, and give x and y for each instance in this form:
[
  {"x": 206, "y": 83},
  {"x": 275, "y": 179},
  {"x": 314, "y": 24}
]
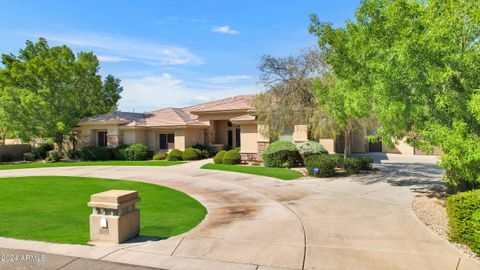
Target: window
[
  {"x": 237, "y": 136},
  {"x": 167, "y": 141},
  {"x": 102, "y": 138}
]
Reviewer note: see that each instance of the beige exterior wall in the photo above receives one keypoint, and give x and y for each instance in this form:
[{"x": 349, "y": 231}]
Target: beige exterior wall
[
  {"x": 300, "y": 133},
  {"x": 400, "y": 148},
  {"x": 328, "y": 144},
  {"x": 249, "y": 138},
  {"x": 180, "y": 139},
  {"x": 132, "y": 136},
  {"x": 194, "y": 136}
]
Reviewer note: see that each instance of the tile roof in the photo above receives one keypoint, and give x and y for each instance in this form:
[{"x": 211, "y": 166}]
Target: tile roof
[
  {"x": 178, "y": 116},
  {"x": 116, "y": 116},
  {"x": 245, "y": 117}
]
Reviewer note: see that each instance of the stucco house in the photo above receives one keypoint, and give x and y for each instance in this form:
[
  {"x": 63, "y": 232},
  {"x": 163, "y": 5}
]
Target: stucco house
[{"x": 223, "y": 124}]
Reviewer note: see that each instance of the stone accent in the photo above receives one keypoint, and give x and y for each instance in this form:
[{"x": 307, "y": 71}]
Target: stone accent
[
  {"x": 261, "y": 147},
  {"x": 83, "y": 140},
  {"x": 246, "y": 157},
  {"x": 114, "y": 140}
]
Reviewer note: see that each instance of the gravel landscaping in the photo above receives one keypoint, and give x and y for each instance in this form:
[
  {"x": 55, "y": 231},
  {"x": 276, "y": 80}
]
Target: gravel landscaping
[{"x": 431, "y": 211}]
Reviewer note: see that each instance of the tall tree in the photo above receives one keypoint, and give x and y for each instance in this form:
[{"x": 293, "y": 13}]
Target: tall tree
[
  {"x": 45, "y": 91},
  {"x": 421, "y": 61},
  {"x": 290, "y": 95}
]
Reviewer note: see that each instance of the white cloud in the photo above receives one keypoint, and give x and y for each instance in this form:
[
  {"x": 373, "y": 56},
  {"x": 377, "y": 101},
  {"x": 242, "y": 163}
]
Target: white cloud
[
  {"x": 227, "y": 79},
  {"x": 225, "y": 30},
  {"x": 155, "y": 92},
  {"x": 111, "y": 58},
  {"x": 119, "y": 47}
]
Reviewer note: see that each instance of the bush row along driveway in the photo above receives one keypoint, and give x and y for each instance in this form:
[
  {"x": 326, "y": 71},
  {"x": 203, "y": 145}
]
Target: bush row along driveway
[{"x": 257, "y": 222}]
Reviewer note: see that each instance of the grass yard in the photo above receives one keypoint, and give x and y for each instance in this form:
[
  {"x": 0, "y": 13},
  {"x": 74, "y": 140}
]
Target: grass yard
[
  {"x": 89, "y": 163},
  {"x": 280, "y": 173},
  {"x": 54, "y": 208}
]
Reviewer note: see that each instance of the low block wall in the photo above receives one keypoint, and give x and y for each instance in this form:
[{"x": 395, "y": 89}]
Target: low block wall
[{"x": 16, "y": 150}]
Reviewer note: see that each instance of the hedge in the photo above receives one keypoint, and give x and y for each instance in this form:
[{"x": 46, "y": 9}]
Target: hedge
[
  {"x": 42, "y": 150},
  {"x": 218, "y": 159},
  {"x": 94, "y": 153},
  {"x": 231, "y": 157},
  {"x": 53, "y": 156},
  {"x": 206, "y": 150},
  {"x": 310, "y": 148},
  {"x": 357, "y": 164},
  {"x": 281, "y": 154},
  {"x": 119, "y": 152},
  {"x": 159, "y": 156},
  {"x": 29, "y": 156},
  {"x": 463, "y": 211},
  {"x": 326, "y": 165},
  {"x": 136, "y": 152},
  {"x": 175, "y": 155},
  {"x": 191, "y": 154}
]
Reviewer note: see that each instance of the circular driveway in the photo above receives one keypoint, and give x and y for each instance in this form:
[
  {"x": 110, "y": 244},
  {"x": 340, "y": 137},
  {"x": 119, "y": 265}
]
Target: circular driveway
[{"x": 254, "y": 222}]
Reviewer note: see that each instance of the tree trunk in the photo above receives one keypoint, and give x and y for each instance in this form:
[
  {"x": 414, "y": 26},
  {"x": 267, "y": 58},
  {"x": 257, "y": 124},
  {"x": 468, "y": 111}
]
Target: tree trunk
[
  {"x": 348, "y": 144},
  {"x": 59, "y": 143}
]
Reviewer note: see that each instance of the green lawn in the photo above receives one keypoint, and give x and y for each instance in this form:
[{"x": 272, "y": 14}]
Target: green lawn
[
  {"x": 54, "y": 208},
  {"x": 280, "y": 173},
  {"x": 89, "y": 163}
]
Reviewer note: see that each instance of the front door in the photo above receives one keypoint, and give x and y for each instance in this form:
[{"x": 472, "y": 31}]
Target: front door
[{"x": 102, "y": 138}]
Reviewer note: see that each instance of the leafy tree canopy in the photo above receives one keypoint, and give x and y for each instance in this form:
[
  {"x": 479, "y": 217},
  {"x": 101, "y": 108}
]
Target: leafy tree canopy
[
  {"x": 420, "y": 62},
  {"x": 45, "y": 91}
]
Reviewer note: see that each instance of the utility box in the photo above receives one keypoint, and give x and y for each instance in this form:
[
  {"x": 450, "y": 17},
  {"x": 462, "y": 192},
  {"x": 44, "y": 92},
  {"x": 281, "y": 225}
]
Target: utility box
[{"x": 115, "y": 217}]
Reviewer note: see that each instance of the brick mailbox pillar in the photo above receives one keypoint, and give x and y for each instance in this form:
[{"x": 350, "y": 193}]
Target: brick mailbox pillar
[{"x": 115, "y": 218}]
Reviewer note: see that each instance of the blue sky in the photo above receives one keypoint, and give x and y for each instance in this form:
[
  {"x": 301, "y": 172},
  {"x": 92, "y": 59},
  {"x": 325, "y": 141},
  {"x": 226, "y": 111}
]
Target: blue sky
[{"x": 172, "y": 53}]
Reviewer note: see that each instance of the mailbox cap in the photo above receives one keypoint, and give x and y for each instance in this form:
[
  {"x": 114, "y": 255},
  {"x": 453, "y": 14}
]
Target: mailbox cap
[{"x": 114, "y": 199}]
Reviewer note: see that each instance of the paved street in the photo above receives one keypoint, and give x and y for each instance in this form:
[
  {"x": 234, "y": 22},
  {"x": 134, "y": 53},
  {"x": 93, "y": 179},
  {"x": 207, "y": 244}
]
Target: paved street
[{"x": 253, "y": 222}]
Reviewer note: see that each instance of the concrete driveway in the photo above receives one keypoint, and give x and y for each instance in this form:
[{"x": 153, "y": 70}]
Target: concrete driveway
[{"x": 253, "y": 222}]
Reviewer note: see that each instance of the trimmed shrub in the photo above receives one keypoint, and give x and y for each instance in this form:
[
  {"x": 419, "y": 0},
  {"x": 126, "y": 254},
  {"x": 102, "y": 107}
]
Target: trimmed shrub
[
  {"x": 206, "y": 150},
  {"x": 136, "y": 151},
  {"x": 338, "y": 160},
  {"x": 326, "y": 165},
  {"x": 463, "y": 211},
  {"x": 159, "y": 156},
  {"x": 353, "y": 165},
  {"x": 53, "y": 156},
  {"x": 94, "y": 153},
  {"x": 175, "y": 155},
  {"x": 281, "y": 154},
  {"x": 119, "y": 153},
  {"x": 237, "y": 149},
  {"x": 366, "y": 163},
  {"x": 29, "y": 156},
  {"x": 231, "y": 157},
  {"x": 7, "y": 157},
  {"x": 218, "y": 159},
  {"x": 42, "y": 149},
  {"x": 191, "y": 154},
  {"x": 72, "y": 154},
  {"x": 310, "y": 148}
]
